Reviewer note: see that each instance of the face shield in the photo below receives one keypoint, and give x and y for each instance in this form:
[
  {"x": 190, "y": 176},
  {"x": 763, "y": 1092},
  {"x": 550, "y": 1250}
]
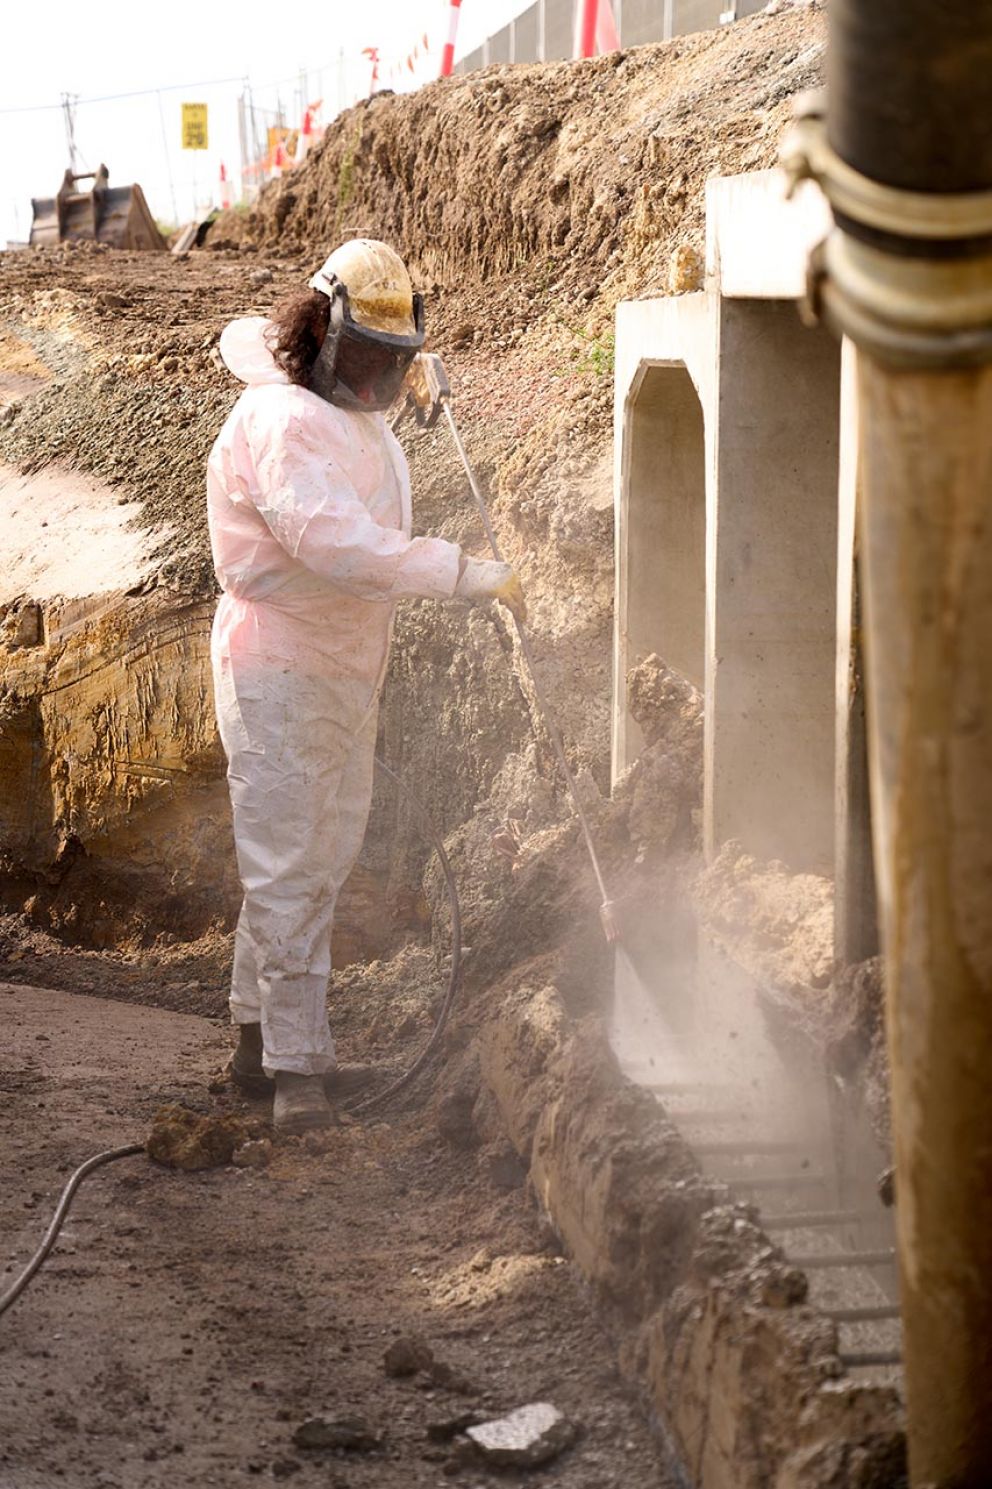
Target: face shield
[{"x": 361, "y": 368}]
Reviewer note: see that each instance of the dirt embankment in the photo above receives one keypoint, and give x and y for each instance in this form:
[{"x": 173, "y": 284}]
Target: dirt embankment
[{"x": 528, "y": 200}]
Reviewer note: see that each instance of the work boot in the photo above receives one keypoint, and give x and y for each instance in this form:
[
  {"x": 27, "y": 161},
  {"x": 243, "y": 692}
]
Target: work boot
[
  {"x": 245, "y": 1068},
  {"x": 300, "y": 1104},
  {"x": 348, "y": 1080}
]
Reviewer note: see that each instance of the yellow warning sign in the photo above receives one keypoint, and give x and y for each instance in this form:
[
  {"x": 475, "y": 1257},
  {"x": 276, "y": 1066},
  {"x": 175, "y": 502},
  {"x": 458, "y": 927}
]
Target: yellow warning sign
[{"x": 195, "y": 126}]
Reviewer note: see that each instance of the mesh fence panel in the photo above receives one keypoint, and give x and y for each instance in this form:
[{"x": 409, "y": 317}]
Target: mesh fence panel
[
  {"x": 642, "y": 21},
  {"x": 525, "y": 37},
  {"x": 696, "y": 15},
  {"x": 559, "y": 29},
  {"x": 499, "y": 46}
]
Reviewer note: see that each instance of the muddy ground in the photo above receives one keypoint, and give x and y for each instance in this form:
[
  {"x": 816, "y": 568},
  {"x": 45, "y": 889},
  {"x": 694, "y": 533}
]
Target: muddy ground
[{"x": 271, "y": 1295}]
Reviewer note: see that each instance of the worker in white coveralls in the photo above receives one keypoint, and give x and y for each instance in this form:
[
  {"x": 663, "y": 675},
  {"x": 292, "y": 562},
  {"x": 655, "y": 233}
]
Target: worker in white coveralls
[{"x": 309, "y": 508}]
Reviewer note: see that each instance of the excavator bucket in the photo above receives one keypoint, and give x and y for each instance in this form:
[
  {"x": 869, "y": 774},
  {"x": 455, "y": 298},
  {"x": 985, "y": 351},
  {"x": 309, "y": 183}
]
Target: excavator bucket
[{"x": 115, "y": 215}]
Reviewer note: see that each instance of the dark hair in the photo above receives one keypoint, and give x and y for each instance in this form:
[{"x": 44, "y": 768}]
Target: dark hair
[{"x": 299, "y": 327}]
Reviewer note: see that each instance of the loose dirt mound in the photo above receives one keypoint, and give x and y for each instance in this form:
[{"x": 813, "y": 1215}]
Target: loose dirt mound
[{"x": 587, "y": 176}]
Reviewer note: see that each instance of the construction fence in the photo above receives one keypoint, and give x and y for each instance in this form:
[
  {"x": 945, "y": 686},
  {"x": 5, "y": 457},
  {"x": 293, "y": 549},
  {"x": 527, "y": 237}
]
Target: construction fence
[{"x": 545, "y": 32}]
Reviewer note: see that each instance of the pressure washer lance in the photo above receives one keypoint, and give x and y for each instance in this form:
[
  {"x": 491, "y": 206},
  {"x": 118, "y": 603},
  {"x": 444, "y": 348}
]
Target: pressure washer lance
[
  {"x": 606, "y": 910},
  {"x": 429, "y": 395}
]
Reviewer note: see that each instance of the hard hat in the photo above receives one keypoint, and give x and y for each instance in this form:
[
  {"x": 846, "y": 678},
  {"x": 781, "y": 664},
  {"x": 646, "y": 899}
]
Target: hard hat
[
  {"x": 380, "y": 294},
  {"x": 375, "y": 326}
]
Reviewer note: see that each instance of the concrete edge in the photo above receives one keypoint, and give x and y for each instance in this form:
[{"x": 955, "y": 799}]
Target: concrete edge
[{"x": 745, "y": 1378}]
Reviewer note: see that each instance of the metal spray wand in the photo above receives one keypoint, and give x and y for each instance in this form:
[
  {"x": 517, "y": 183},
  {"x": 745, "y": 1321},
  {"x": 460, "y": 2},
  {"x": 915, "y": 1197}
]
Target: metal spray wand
[{"x": 606, "y": 910}]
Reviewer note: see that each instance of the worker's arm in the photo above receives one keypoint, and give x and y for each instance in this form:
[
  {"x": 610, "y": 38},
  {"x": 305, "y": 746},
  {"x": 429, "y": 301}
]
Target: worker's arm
[{"x": 317, "y": 516}]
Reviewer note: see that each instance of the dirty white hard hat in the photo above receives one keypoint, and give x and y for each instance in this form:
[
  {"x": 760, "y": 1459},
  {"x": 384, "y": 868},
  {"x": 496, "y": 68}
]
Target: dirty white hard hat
[{"x": 380, "y": 293}]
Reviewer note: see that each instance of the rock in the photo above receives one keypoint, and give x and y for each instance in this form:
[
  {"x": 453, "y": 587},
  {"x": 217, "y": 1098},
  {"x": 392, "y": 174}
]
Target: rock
[
  {"x": 528, "y": 1437},
  {"x": 886, "y": 1186},
  {"x": 254, "y": 1154},
  {"x": 452, "y": 1379},
  {"x": 350, "y": 1433},
  {"x": 785, "y": 1289},
  {"x": 686, "y": 270},
  {"x": 185, "y": 1139},
  {"x": 283, "y": 1468},
  {"x": 260, "y": 277},
  {"x": 407, "y": 1355}
]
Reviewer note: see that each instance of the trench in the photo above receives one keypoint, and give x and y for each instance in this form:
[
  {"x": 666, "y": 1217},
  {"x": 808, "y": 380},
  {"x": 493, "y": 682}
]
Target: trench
[{"x": 763, "y": 1115}]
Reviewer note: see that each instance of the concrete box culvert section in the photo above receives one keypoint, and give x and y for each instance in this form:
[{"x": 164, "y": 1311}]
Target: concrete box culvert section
[
  {"x": 763, "y": 480},
  {"x": 734, "y": 456}
]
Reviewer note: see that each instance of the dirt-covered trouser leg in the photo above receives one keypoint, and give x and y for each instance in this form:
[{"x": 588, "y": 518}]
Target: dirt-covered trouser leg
[{"x": 301, "y": 786}]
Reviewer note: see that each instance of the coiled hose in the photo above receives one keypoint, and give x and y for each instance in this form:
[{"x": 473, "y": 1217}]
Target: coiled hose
[{"x": 370, "y": 1103}]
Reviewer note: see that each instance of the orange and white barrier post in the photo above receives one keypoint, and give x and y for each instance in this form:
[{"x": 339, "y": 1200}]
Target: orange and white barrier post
[
  {"x": 607, "y": 36},
  {"x": 224, "y": 192},
  {"x": 448, "y": 53},
  {"x": 597, "y": 30},
  {"x": 586, "y": 39},
  {"x": 306, "y": 136},
  {"x": 373, "y": 55}
]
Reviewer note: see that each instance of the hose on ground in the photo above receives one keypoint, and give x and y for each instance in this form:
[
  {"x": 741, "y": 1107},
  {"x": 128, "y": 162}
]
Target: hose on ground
[
  {"x": 110, "y": 1155},
  {"x": 370, "y": 1103}
]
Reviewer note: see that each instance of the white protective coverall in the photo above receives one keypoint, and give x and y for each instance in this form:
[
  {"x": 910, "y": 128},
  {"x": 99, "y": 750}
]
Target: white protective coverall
[{"x": 309, "y": 510}]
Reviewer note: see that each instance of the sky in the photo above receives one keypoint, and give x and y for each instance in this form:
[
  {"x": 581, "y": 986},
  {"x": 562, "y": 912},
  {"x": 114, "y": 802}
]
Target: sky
[{"x": 183, "y": 51}]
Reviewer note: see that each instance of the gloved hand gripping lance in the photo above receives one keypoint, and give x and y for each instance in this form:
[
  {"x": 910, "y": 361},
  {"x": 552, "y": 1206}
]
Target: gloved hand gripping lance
[{"x": 429, "y": 394}]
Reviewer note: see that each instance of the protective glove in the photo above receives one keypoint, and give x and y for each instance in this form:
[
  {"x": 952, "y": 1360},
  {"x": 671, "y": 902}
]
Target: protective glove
[
  {"x": 427, "y": 388},
  {"x": 485, "y": 579}
]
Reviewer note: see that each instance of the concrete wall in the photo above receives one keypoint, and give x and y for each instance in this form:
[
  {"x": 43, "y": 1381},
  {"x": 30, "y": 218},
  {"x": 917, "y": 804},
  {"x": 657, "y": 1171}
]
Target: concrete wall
[
  {"x": 645, "y": 20},
  {"x": 638, "y": 22},
  {"x": 559, "y": 30},
  {"x": 727, "y": 406},
  {"x": 695, "y": 15},
  {"x": 773, "y": 579}
]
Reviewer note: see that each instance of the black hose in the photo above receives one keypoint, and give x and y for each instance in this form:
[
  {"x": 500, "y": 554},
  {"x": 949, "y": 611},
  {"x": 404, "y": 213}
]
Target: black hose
[
  {"x": 454, "y": 976},
  {"x": 58, "y": 1219},
  {"x": 908, "y": 92}
]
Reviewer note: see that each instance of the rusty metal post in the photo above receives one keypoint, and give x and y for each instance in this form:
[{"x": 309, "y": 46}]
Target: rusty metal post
[{"x": 905, "y": 157}]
